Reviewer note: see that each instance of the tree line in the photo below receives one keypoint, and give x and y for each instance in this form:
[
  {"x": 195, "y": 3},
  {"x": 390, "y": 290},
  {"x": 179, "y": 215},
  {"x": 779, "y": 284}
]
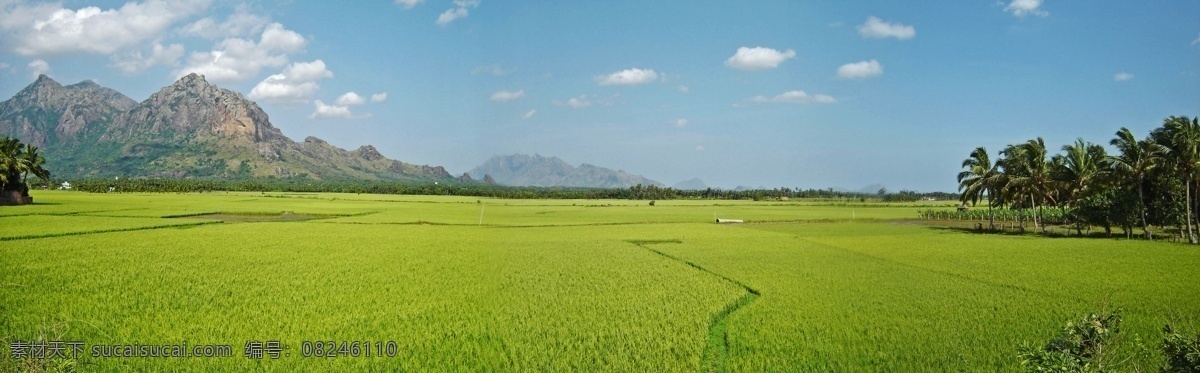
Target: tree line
[
  {"x": 17, "y": 162},
  {"x": 636, "y": 192},
  {"x": 1153, "y": 181}
]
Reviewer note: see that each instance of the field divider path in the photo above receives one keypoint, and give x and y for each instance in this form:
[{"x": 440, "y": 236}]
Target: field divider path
[
  {"x": 51, "y": 235},
  {"x": 946, "y": 273},
  {"x": 716, "y": 350}
]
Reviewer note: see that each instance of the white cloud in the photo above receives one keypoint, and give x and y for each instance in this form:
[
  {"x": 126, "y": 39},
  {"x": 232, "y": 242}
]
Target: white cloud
[
  {"x": 408, "y": 4},
  {"x": 494, "y": 69},
  {"x": 1197, "y": 41},
  {"x": 297, "y": 83},
  {"x": 350, "y": 98},
  {"x": 1022, "y": 8},
  {"x": 680, "y": 123},
  {"x": 529, "y": 114},
  {"x": 458, "y": 11},
  {"x": 758, "y": 58},
  {"x": 505, "y": 96},
  {"x": 1122, "y": 76},
  {"x": 51, "y": 29},
  {"x": 134, "y": 62},
  {"x": 794, "y": 97},
  {"x": 38, "y": 67},
  {"x": 277, "y": 38},
  {"x": 876, "y": 28},
  {"x": 579, "y": 102},
  {"x": 240, "y": 23},
  {"x": 379, "y": 97},
  {"x": 628, "y": 77},
  {"x": 699, "y": 148},
  {"x": 860, "y": 70},
  {"x": 238, "y": 59},
  {"x": 683, "y": 88},
  {"x": 587, "y": 100},
  {"x": 323, "y": 111}
]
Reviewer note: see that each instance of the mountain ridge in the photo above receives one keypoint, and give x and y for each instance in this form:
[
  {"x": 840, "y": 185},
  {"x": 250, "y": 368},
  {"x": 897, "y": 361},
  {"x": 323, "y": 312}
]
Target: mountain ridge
[
  {"x": 189, "y": 129},
  {"x": 691, "y": 184},
  {"x": 537, "y": 170}
]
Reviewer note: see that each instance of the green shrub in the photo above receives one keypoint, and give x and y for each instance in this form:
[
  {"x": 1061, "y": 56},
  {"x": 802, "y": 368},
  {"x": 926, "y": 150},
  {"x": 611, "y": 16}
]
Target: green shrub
[
  {"x": 1182, "y": 352},
  {"x": 1079, "y": 347}
]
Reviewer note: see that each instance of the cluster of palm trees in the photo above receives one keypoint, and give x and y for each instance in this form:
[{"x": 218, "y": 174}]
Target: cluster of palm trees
[
  {"x": 1153, "y": 181},
  {"x": 17, "y": 162}
]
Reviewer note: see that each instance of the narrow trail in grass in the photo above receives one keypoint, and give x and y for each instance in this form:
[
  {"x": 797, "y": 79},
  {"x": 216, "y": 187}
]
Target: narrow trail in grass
[{"x": 716, "y": 350}]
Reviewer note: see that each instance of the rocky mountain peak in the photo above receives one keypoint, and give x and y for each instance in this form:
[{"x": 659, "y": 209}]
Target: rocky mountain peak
[
  {"x": 41, "y": 92},
  {"x": 192, "y": 80},
  {"x": 192, "y": 107},
  {"x": 46, "y": 113},
  {"x": 42, "y": 79}
]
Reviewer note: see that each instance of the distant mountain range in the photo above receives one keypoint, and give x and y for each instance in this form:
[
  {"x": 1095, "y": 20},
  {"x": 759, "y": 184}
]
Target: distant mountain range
[
  {"x": 189, "y": 129},
  {"x": 536, "y": 170},
  {"x": 693, "y": 184}
]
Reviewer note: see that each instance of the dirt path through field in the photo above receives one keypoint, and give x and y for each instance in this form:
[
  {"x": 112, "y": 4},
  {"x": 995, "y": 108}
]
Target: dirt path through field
[{"x": 717, "y": 349}]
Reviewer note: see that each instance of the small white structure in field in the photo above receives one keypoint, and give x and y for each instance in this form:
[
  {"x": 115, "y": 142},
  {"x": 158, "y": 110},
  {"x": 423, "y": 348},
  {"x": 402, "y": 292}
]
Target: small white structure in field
[
  {"x": 730, "y": 221},
  {"x": 65, "y": 185}
]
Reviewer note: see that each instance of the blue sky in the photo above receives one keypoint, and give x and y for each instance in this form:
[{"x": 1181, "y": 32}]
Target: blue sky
[{"x": 758, "y": 93}]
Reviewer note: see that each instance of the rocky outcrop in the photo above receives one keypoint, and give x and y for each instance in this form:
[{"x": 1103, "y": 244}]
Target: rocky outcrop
[
  {"x": 466, "y": 178},
  {"x": 369, "y": 153}
]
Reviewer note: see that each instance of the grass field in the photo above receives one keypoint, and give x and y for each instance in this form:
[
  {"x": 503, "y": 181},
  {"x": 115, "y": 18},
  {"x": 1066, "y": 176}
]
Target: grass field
[{"x": 549, "y": 285}]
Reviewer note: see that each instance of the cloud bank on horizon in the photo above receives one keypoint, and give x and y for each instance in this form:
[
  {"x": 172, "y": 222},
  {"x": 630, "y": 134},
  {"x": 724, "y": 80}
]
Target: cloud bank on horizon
[{"x": 781, "y": 86}]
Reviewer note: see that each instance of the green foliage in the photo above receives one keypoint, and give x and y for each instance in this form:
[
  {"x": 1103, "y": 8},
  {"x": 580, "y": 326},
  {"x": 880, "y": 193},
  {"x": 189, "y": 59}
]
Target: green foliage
[
  {"x": 17, "y": 162},
  {"x": 457, "y": 188},
  {"x": 1147, "y": 182},
  {"x": 1182, "y": 351},
  {"x": 1051, "y": 216},
  {"x": 1081, "y": 346}
]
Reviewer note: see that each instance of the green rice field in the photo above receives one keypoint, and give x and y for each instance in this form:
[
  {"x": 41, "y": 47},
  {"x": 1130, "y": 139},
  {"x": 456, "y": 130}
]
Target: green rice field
[{"x": 477, "y": 284}]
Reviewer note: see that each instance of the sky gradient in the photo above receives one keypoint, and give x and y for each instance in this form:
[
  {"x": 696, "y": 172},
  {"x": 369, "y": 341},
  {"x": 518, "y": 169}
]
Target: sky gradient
[{"x": 758, "y": 93}]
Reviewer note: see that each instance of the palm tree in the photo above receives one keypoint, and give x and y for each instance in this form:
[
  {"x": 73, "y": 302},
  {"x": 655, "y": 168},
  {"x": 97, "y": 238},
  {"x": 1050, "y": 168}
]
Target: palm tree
[
  {"x": 1077, "y": 169},
  {"x": 1182, "y": 137},
  {"x": 979, "y": 178},
  {"x": 1136, "y": 158},
  {"x": 10, "y": 150},
  {"x": 1028, "y": 172},
  {"x": 31, "y": 162}
]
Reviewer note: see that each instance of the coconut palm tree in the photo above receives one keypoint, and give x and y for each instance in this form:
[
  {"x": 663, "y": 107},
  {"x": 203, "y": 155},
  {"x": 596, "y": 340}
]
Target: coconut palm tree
[
  {"x": 1136, "y": 158},
  {"x": 1182, "y": 137},
  {"x": 32, "y": 162},
  {"x": 10, "y": 150},
  {"x": 980, "y": 178},
  {"x": 1081, "y": 164},
  {"x": 1028, "y": 172}
]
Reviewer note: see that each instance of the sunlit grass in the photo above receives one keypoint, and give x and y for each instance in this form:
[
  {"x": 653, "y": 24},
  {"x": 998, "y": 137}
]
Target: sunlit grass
[{"x": 564, "y": 284}]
